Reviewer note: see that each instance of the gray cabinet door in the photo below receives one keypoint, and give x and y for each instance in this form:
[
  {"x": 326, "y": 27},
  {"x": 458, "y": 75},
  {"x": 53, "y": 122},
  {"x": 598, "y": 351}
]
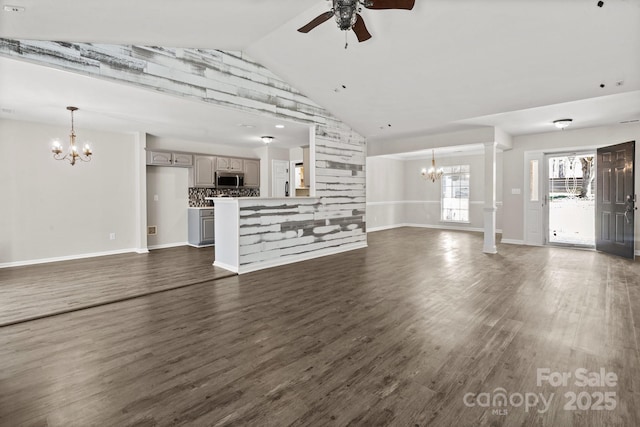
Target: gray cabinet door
[
  {"x": 251, "y": 173},
  {"x": 229, "y": 164},
  {"x": 182, "y": 159},
  {"x": 159, "y": 158},
  {"x": 204, "y": 168},
  {"x": 207, "y": 232}
]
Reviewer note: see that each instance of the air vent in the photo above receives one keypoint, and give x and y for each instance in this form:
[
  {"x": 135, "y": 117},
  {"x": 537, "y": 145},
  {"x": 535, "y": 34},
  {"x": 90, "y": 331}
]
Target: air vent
[{"x": 152, "y": 230}]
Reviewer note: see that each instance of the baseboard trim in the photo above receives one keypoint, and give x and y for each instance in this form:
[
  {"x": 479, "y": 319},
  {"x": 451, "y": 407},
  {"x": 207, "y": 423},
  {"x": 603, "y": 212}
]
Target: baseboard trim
[
  {"x": 435, "y": 226},
  {"x": 297, "y": 258},
  {"x": 446, "y": 227},
  {"x": 512, "y": 241},
  {"x": 167, "y": 245},
  {"x": 229, "y": 267},
  {"x": 385, "y": 227},
  {"x": 67, "y": 258},
  {"x": 208, "y": 245}
]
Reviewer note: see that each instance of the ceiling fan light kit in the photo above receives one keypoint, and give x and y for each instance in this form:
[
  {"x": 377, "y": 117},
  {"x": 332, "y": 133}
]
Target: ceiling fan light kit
[{"x": 347, "y": 15}]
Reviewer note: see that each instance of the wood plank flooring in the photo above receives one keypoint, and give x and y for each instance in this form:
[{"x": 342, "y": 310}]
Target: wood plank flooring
[
  {"x": 41, "y": 290},
  {"x": 395, "y": 334}
]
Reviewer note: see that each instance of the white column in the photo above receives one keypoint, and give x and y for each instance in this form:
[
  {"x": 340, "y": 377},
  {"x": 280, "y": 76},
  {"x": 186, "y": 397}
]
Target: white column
[
  {"x": 490, "y": 198},
  {"x": 141, "y": 192}
]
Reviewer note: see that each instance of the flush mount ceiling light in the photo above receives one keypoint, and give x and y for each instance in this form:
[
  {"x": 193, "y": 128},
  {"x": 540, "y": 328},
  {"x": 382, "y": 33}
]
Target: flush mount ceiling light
[
  {"x": 562, "y": 123},
  {"x": 267, "y": 139},
  {"x": 72, "y": 155},
  {"x": 280, "y": 126}
]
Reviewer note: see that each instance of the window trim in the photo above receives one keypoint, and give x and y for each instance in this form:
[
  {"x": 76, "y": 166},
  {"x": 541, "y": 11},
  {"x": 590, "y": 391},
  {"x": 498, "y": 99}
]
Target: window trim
[{"x": 459, "y": 170}]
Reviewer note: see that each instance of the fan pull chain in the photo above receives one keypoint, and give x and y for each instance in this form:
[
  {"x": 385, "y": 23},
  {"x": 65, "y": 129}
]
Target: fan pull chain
[{"x": 346, "y": 42}]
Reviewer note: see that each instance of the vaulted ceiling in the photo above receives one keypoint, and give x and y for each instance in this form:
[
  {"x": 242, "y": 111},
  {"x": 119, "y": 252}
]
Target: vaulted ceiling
[{"x": 446, "y": 65}]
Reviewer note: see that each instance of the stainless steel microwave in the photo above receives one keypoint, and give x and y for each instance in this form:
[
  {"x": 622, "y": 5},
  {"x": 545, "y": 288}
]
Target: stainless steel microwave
[{"x": 225, "y": 179}]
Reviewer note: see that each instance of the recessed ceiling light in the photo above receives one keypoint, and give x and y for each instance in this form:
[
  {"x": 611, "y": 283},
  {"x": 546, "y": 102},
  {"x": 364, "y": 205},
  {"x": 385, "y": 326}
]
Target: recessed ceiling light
[
  {"x": 280, "y": 126},
  {"x": 562, "y": 123},
  {"x": 243, "y": 125}
]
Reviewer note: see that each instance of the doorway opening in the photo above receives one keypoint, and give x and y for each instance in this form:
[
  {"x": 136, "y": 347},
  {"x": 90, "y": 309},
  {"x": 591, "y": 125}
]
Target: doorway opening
[{"x": 571, "y": 207}]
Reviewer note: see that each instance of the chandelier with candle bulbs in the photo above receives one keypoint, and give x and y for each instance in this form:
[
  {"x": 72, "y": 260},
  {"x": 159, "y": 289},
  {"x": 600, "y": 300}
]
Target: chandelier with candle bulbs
[
  {"x": 432, "y": 173},
  {"x": 73, "y": 154}
]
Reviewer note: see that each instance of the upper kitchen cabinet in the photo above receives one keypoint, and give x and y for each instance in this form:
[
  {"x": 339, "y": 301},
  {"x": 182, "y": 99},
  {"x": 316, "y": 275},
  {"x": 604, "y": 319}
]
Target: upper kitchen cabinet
[
  {"x": 229, "y": 164},
  {"x": 182, "y": 159},
  {"x": 165, "y": 158},
  {"x": 204, "y": 171},
  {"x": 159, "y": 158},
  {"x": 251, "y": 173}
]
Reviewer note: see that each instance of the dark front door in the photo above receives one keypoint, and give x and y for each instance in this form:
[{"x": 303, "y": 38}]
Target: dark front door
[{"x": 615, "y": 197}]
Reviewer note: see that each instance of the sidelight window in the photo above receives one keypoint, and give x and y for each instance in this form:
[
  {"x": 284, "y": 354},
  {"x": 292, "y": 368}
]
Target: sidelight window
[{"x": 455, "y": 193}]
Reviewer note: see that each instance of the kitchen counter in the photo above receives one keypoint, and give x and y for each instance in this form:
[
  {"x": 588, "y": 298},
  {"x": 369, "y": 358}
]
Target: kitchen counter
[{"x": 247, "y": 228}]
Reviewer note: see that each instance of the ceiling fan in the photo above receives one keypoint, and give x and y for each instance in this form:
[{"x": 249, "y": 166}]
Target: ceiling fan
[{"x": 348, "y": 17}]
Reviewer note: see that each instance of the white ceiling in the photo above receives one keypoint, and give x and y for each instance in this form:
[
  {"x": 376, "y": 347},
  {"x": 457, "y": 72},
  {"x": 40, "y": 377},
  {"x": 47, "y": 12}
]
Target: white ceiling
[{"x": 446, "y": 65}]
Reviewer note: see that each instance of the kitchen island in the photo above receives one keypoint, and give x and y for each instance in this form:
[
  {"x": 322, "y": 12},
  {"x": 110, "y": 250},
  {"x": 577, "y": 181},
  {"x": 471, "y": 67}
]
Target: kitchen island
[{"x": 254, "y": 233}]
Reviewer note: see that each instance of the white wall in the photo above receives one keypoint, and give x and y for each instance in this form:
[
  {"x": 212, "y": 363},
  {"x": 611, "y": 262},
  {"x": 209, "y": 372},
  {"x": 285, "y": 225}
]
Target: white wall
[
  {"x": 169, "y": 212},
  {"x": 397, "y": 194},
  {"x": 385, "y": 193},
  {"x": 513, "y": 223},
  {"x": 51, "y": 209}
]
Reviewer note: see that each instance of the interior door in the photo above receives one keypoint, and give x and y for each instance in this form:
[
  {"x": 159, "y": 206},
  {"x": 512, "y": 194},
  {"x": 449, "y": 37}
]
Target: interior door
[
  {"x": 280, "y": 178},
  {"x": 615, "y": 199}
]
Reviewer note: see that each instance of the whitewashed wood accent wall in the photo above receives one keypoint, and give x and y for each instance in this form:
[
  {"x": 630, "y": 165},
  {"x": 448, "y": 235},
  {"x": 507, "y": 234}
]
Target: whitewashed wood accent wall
[{"x": 270, "y": 230}]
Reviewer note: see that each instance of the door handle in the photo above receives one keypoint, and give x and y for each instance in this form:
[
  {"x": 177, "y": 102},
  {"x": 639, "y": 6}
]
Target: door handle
[{"x": 630, "y": 207}]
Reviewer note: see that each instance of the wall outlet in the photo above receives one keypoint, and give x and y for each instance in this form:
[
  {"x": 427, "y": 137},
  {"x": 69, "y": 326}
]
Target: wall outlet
[
  {"x": 112, "y": 236},
  {"x": 515, "y": 191},
  {"x": 155, "y": 197},
  {"x": 152, "y": 230}
]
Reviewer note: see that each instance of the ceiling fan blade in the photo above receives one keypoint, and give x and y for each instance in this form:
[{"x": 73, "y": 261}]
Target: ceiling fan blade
[
  {"x": 315, "y": 22},
  {"x": 392, "y": 4},
  {"x": 360, "y": 29}
]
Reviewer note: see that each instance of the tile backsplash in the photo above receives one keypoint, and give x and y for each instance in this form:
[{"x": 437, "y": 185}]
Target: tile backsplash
[{"x": 197, "y": 195}]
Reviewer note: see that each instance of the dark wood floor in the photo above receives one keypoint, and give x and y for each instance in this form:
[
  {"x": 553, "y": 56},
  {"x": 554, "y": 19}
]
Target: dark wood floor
[
  {"x": 41, "y": 290},
  {"x": 395, "y": 334}
]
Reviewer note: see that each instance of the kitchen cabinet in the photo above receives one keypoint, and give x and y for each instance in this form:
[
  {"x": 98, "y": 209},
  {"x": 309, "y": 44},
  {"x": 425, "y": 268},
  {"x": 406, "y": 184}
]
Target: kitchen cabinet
[
  {"x": 201, "y": 230},
  {"x": 166, "y": 158},
  {"x": 182, "y": 159},
  {"x": 204, "y": 171},
  {"x": 251, "y": 173},
  {"x": 229, "y": 164}
]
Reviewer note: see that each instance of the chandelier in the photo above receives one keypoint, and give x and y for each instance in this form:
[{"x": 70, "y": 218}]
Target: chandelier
[
  {"x": 72, "y": 155},
  {"x": 433, "y": 174}
]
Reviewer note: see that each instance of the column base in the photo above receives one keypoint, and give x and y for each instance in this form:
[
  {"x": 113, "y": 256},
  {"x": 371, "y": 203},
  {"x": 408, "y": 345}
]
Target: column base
[{"x": 490, "y": 231}]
